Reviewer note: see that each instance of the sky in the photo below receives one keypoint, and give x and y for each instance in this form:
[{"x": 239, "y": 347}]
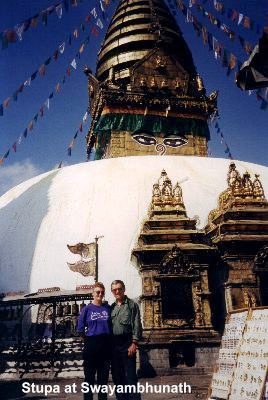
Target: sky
[{"x": 242, "y": 122}]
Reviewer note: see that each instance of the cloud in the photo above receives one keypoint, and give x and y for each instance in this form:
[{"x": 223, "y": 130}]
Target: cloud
[{"x": 16, "y": 173}]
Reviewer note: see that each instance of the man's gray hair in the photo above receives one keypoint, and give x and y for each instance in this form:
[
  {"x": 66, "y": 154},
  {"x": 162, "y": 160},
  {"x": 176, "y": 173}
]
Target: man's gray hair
[{"x": 118, "y": 282}]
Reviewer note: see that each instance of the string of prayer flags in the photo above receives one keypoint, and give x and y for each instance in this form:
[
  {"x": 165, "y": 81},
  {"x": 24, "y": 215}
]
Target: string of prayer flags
[
  {"x": 228, "y": 59},
  {"x": 60, "y": 50},
  {"x": 42, "y": 68},
  {"x": 237, "y": 17},
  {"x": 34, "y": 120},
  {"x": 262, "y": 95},
  {"x": 15, "y": 34},
  {"x": 223, "y": 141},
  {"x": 246, "y": 46},
  {"x": 80, "y": 129}
]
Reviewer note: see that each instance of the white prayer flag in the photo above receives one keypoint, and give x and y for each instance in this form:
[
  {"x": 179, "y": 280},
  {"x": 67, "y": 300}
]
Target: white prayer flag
[
  {"x": 94, "y": 12},
  {"x": 59, "y": 11},
  {"x": 73, "y": 63},
  {"x": 99, "y": 23},
  {"x": 240, "y": 19},
  {"x": 62, "y": 48}
]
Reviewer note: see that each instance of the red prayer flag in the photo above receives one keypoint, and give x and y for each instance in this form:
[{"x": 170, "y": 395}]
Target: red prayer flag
[
  {"x": 34, "y": 22},
  {"x": 42, "y": 70},
  {"x": 6, "y": 102},
  {"x": 11, "y": 35},
  {"x": 234, "y": 15},
  {"x": 14, "y": 146},
  {"x": 56, "y": 54},
  {"x": 246, "y": 22}
]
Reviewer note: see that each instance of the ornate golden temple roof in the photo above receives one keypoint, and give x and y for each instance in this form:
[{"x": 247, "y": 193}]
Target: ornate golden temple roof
[{"x": 137, "y": 27}]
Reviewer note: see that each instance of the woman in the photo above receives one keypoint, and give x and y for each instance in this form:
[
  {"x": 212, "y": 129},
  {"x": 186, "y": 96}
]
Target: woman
[{"x": 94, "y": 324}]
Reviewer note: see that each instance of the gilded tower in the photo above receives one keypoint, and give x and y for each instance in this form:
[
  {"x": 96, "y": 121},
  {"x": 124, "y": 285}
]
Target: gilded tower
[{"x": 146, "y": 97}]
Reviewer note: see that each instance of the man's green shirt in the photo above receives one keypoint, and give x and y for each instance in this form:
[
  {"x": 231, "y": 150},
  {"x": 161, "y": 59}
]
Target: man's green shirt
[{"x": 126, "y": 319}]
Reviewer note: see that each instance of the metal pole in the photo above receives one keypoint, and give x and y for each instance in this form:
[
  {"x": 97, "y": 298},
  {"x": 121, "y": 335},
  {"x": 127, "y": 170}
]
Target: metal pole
[
  {"x": 53, "y": 338},
  {"x": 97, "y": 259}
]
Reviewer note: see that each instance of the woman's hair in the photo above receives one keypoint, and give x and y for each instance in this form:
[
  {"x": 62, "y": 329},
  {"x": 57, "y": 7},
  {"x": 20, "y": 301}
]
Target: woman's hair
[{"x": 99, "y": 284}]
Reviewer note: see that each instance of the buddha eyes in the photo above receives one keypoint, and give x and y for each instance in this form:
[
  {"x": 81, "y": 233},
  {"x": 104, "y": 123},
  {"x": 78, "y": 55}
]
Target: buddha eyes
[
  {"x": 175, "y": 141},
  {"x": 144, "y": 139},
  {"x": 149, "y": 140}
]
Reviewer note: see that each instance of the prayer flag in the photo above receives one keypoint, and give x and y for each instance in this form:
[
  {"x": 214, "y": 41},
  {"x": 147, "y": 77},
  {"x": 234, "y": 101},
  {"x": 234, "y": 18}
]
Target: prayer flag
[
  {"x": 6, "y": 102},
  {"x": 1, "y": 110},
  {"x": 27, "y": 82},
  {"x": 19, "y": 31},
  {"x": 73, "y": 63},
  {"x": 14, "y": 146},
  {"x": 20, "y": 139},
  {"x": 33, "y": 76},
  {"x": 7, "y": 154},
  {"x": 246, "y": 23},
  {"x": 94, "y": 13},
  {"x": 59, "y": 11},
  {"x": 11, "y": 35},
  {"x": 85, "y": 117},
  {"x": 62, "y": 47},
  {"x": 56, "y": 54},
  {"x": 27, "y": 24},
  {"x": 42, "y": 70},
  {"x": 99, "y": 24},
  {"x": 34, "y": 21},
  {"x": 47, "y": 61},
  {"x": 25, "y": 133}
]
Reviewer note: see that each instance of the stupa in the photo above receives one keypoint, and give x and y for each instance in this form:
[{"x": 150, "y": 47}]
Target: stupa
[{"x": 187, "y": 233}]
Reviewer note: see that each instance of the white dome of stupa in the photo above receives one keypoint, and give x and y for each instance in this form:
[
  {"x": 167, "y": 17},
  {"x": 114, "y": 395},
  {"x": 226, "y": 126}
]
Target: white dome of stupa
[{"x": 108, "y": 198}]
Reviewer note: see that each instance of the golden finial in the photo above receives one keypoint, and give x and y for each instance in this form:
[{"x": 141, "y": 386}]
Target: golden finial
[
  {"x": 258, "y": 191},
  {"x": 200, "y": 84},
  {"x": 247, "y": 185},
  {"x": 142, "y": 81},
  {"x": 153, "y": 83}
]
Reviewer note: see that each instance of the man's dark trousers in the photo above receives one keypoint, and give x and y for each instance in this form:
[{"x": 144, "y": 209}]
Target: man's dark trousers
[{"x": 123, "y": 366}]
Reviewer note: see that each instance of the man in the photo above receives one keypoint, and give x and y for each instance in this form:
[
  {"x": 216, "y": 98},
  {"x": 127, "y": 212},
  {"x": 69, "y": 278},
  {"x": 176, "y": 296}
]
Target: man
[{"x": 126, "y": 327}]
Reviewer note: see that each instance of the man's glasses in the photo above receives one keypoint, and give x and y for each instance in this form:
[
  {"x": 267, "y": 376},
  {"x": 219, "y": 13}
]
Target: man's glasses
[
  {"x": 117, "y": 290},
  {"x": 99, "y": 291}
]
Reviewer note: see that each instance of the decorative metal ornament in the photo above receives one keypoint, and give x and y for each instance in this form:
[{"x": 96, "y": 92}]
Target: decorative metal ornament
[{"x": 87, "y": 265}]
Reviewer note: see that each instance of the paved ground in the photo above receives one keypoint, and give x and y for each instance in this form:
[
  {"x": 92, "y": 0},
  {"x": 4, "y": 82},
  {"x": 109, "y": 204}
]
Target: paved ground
[{"x": 199, "y": 386}]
